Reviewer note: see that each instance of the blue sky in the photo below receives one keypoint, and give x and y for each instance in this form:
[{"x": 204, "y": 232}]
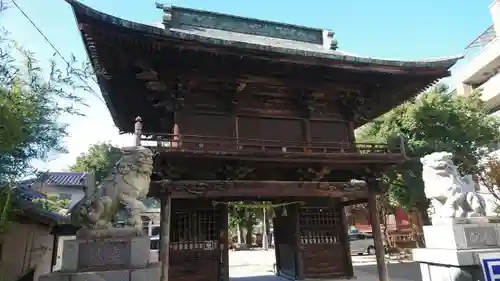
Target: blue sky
[{"x": 407, "y": 30}]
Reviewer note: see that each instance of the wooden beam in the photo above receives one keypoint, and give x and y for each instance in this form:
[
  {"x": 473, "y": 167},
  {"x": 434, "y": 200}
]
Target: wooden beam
[
  {"x": 330, "y": 158},
  {"x": 165, "y": 221},
  {"x": 354, "y": 202},
  {"x": 377, "y": 232},
  {"x": 235, "y": 189}
]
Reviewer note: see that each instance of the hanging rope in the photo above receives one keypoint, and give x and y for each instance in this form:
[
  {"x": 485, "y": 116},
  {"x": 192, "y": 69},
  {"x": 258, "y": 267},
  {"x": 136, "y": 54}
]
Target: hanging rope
[{"x": 257, "y": 205}]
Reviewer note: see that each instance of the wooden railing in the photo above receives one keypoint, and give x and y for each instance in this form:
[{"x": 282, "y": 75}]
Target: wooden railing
[{"x": 226, "y": 144}]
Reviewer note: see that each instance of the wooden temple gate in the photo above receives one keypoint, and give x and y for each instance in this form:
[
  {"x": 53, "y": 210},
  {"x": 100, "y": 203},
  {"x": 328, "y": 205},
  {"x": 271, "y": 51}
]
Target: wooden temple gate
[
  {"x": 263, "y": 111},
  {"x": 310, "y": 240}
]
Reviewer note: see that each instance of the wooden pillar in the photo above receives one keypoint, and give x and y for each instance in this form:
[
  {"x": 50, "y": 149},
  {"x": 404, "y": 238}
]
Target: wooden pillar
[
  {"x": 165, "y": 220},
  {"x": 224, "y": 243},
  {"x": 344, "y": 239},
  {"x": 299, "y": 257},
  {"x": 277, "y": 224},
  {"x": 376, "y": 231},
  {"x": 138, "y": 130}
]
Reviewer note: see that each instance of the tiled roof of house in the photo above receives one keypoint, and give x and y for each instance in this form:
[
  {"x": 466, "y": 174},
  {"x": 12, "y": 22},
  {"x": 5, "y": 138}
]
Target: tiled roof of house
[
  {"x": 64, "y": 178},
  {"x": 58, "y": 178}
]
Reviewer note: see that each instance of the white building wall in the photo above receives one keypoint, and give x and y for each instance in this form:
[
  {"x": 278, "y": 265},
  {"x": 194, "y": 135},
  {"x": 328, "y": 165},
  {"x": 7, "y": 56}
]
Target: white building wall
[{"x": 495, "y": 15}]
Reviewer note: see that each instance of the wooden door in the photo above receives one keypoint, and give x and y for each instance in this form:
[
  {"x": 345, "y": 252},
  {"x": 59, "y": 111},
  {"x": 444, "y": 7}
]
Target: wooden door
[
  {"x": 286, "y": 246},
  {"x": 194, "y": 241},
  {"x": 323, "y": 243}
]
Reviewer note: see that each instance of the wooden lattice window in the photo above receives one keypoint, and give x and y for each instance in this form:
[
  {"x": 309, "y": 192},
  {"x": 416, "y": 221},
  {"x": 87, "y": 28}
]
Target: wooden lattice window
[
  {"x": 319, "y": 226},
  {"x": 194, "y": 230}
]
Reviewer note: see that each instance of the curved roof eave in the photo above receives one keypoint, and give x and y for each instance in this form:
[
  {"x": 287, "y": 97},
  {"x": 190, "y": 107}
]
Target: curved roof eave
[{"x": 282, "y": 46}]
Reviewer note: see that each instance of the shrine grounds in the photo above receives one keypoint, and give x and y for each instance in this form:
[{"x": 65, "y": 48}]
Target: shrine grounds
[{"x": 257, "y": 265}]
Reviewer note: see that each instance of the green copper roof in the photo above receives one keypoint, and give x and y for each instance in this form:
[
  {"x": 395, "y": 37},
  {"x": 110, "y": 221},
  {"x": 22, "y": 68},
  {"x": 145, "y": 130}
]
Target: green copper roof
[{"x": 240, "y": 32}]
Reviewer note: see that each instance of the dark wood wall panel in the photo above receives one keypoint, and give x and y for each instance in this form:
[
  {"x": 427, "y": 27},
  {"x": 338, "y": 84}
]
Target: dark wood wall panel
[
  {"x": 270, "y": 129},
  {"x": 206, "y": 125},
  {"x": 330, "y": 131}
]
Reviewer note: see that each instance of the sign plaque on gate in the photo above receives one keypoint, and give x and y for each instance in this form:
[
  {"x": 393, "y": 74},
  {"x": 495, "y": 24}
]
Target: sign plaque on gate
[
  {"x": 490, "y": 263},
  {"x": 208, "y": 245}
]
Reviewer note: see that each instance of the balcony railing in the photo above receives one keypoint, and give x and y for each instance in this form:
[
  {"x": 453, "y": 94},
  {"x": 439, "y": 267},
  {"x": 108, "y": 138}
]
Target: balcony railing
[
  {"x": 484, "y": 62},
  {"x": 171, "y": 142},
  {"x": 490, "y": 92}
]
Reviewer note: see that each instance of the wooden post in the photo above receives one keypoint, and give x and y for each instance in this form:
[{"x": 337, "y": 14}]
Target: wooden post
[
  {"x": 138, "y": 130},
  {"x": 224, "y": 244},
  {"x": 299, "y": 257},
  {"x": 165, "y": 215},
  {"x": 377, "y": 232},
  {"x": 344, "y": 239}
]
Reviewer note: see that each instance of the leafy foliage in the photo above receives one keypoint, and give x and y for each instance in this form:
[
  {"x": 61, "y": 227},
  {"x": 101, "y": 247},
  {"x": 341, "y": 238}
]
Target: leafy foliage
[
  {"x": 33, "y": 98},
  {"x": 434, "y": 121},
  {"x": 32, "y": 101},
  {"x": 52, "y": 203},
  {"x": 99, "y": 159},
  {"x": 489, "y": 177}
]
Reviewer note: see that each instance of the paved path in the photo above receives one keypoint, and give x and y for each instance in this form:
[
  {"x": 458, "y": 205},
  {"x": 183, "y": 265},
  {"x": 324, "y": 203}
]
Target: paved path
[
  {"x": 397, "y": 272},
  {"x": 258, "y": 266}
]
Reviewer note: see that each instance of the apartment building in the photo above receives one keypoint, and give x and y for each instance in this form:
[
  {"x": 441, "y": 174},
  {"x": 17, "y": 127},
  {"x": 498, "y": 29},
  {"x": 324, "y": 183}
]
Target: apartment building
[{"x": 483, "y": 70}]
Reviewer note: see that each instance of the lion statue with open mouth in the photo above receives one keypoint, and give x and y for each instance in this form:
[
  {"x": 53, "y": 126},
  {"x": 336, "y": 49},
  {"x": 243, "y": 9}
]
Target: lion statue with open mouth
[
  {"x": 123, "y": 189},
  {"x": 451, "y": 195}
]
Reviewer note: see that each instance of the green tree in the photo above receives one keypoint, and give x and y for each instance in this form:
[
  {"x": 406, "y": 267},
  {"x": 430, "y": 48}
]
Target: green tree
[
  {"x": 434, "y": 121},
  {"x": 33, "y": 98},
  {"x": 99, "y": 159},
  {"x": 489, "y": 177},
  {"x": 243, "y": 216},
  {"x": 52, "y": 203}
]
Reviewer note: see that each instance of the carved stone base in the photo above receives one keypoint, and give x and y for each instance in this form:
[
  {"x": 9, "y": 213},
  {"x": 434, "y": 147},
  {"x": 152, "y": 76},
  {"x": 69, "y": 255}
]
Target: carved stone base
[
  {"x": 108, "y": 253},
  {"x": 462, "y": 236},
  {"x": 125, "y": 257},
  {"x": 454, "y": 248},
  {"x": 149, "y": 273}
]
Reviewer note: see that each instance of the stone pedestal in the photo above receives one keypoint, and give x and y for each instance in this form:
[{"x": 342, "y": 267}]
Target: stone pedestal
[
  {"x": 455, "y": 249},
  {"x": 125, "y": 258}
]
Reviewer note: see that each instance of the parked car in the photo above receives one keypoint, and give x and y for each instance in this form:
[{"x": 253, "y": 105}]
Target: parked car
[{"x": 361, "y": 243}]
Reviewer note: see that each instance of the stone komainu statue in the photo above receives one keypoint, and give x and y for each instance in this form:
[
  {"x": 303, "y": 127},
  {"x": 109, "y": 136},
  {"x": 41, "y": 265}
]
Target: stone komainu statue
[
  {"x": 451, "y": 195},
  {"x": 122, "y": 190}
]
